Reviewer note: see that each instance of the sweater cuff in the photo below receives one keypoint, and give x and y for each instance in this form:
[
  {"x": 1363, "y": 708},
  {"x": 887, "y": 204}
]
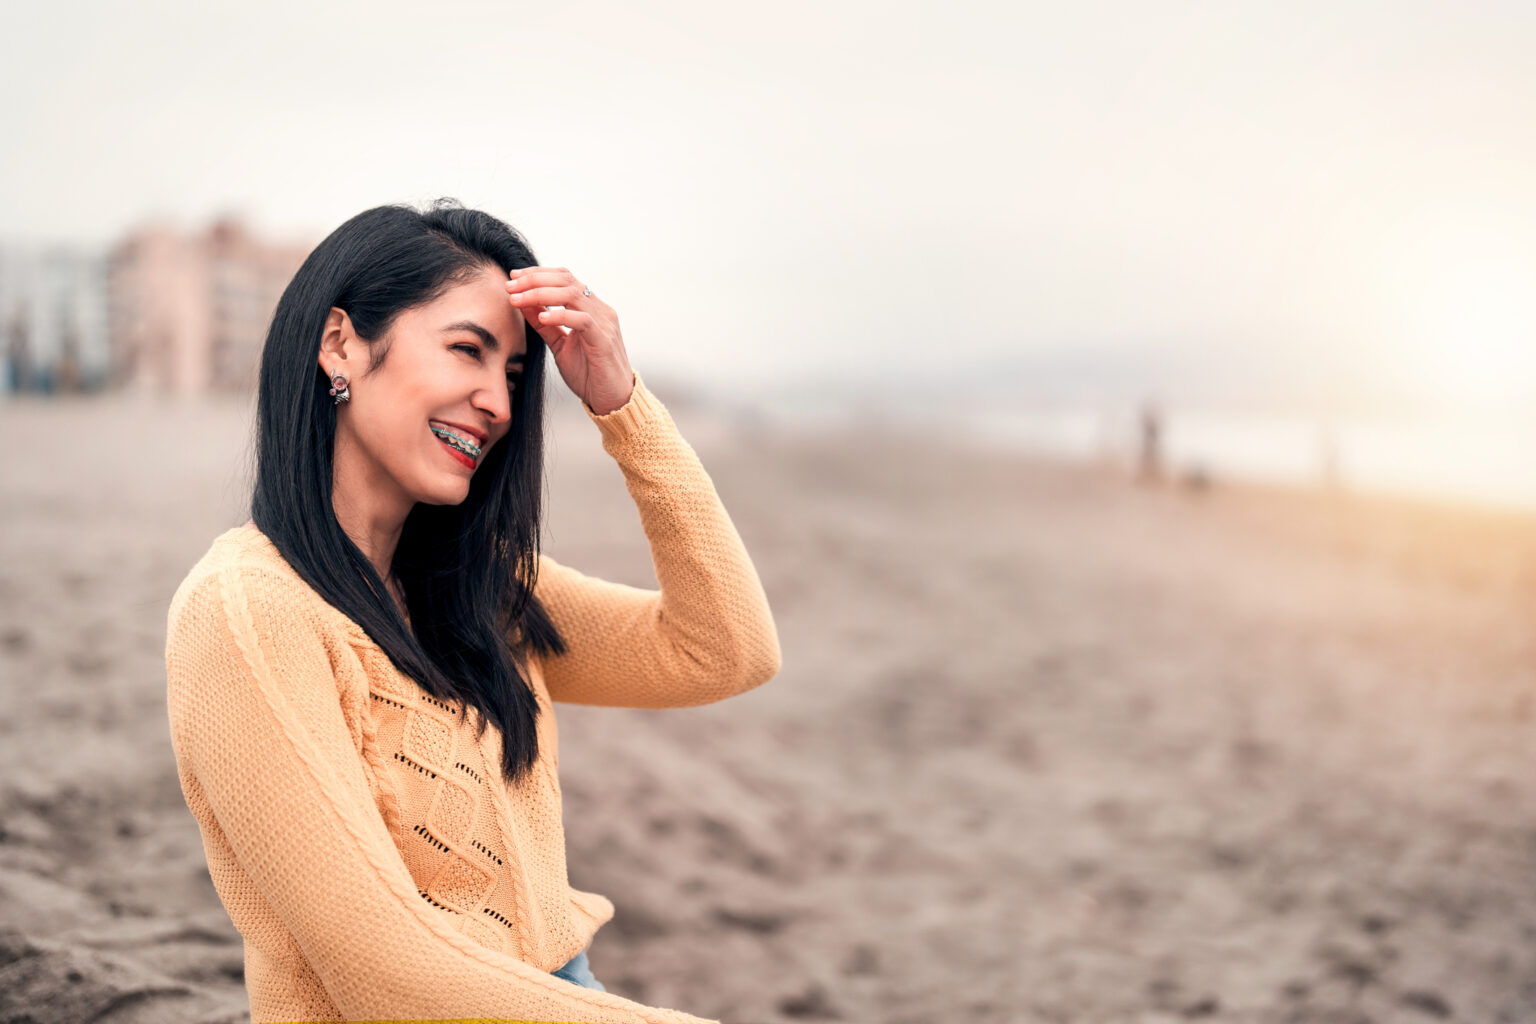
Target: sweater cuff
[{"x": 641, "y": 409}]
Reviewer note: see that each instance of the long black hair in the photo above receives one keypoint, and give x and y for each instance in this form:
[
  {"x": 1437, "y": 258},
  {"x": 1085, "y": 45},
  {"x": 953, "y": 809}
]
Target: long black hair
[{"x": 469, "y": 569}]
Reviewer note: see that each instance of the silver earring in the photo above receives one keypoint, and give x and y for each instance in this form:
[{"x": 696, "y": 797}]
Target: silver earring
[{"x": 339, "y": 388}]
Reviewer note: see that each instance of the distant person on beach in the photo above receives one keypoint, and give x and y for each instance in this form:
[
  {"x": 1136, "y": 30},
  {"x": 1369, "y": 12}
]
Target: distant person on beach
[
  {"x": 361, "y": 678},
  {"x": 1150, "y": 448}
]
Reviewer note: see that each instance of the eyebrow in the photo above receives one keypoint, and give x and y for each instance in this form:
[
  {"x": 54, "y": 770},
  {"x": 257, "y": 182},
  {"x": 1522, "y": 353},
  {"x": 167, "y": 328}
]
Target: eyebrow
[{"x": 485, "y": 336}]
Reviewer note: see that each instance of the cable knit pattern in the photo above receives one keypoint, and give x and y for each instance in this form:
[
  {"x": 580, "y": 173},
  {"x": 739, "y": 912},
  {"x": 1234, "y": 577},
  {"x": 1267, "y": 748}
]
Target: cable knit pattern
[{"x": 362, "y": 839}]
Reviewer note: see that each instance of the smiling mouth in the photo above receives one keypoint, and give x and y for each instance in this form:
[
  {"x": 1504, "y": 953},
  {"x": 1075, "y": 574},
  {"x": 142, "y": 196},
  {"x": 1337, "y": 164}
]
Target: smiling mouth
[{"x": 456, "y": 441}]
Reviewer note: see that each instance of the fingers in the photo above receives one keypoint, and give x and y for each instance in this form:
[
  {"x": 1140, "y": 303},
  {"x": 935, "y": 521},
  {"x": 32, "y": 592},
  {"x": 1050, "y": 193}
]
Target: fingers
[
  {"x": 547, "y": 297},
  {"x": 574, "y": 319},
  {"x": 565, "y": 295},
  {"x": 532, "y": 277}
]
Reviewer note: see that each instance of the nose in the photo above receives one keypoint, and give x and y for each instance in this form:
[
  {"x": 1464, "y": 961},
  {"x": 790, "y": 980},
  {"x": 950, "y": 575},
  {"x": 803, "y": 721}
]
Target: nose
[{"x": 495, "y": 400}]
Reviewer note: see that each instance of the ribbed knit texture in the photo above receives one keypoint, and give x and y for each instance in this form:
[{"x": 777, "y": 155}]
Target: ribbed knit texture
[{"x": 361, "y": 838}]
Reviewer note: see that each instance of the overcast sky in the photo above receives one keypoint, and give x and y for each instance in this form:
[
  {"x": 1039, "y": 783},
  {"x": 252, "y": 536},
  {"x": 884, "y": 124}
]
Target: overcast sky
[{"x": 1331, "y": 193}]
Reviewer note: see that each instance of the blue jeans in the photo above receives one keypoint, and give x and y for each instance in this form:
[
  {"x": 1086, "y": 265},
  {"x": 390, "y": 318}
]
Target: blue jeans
[{"x": 577, "y": 971}]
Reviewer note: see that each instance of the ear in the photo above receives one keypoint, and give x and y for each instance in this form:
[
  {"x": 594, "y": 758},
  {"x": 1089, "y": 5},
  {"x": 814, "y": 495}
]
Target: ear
[{"x": 337, "y": 341}]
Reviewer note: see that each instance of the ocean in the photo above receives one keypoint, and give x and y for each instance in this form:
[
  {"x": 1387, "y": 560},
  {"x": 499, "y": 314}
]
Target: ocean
[{"x": 1472, "y": 457}]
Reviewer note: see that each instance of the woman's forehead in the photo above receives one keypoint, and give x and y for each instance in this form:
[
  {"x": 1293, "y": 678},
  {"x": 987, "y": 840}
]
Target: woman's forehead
[{"x": 475, "y": 304}]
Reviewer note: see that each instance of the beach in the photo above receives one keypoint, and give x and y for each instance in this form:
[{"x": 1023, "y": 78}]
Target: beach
[{"x": 1047, "y": 745}]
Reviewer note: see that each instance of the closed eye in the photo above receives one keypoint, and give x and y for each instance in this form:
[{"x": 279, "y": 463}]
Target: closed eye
[{"x": 513, "y": 377}]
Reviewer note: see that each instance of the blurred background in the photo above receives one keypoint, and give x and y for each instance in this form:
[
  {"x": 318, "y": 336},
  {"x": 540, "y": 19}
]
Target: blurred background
[{"x": 1129, "y": 409}]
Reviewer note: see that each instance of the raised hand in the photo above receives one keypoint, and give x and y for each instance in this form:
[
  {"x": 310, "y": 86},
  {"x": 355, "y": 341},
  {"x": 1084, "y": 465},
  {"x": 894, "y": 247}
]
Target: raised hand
[{"x": 581, "y": 330}]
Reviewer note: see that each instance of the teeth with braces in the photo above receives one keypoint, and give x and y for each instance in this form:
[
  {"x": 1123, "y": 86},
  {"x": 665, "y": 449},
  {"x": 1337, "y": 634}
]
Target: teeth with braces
[{"x": 458, "y": 441}]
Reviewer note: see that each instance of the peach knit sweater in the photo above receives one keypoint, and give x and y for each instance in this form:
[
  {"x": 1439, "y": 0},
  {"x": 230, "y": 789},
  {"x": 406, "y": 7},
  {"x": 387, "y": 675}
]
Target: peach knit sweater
[{"x": 363, "y": 842}]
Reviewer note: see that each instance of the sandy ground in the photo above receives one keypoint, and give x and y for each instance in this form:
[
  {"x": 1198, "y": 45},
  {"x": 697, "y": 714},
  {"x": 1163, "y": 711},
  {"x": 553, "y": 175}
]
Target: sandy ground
[{"x": 1046, "y": 746}]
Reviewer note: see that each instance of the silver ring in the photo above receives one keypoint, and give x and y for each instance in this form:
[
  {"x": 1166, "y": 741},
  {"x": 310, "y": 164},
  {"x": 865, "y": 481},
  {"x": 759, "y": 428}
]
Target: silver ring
[{"x": 585, "y": 292}]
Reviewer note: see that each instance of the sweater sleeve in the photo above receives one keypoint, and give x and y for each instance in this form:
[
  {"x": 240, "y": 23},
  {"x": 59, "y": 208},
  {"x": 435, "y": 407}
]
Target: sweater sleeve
[
  {"x": 708, "y": 633},
  {"x": 261, "y": 741}
]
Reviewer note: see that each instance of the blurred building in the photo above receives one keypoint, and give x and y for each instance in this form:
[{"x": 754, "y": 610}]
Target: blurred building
[
  {"x": 189, "y": 313},
  {"x": 53, "y": 320}
]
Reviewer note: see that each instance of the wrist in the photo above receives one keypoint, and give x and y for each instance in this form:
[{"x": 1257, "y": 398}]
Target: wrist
[
  {"x": 610, "y": 408},
  {"x": 637, "y": 416}
]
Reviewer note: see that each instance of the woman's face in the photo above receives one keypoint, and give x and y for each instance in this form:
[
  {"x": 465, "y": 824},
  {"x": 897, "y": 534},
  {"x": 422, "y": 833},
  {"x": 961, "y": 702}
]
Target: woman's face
[{"x": 447, "y": 379}]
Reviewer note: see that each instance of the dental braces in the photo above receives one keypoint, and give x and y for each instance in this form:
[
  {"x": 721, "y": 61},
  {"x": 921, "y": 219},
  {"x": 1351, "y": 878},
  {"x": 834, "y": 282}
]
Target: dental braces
[{"x": 463, "y": 444}]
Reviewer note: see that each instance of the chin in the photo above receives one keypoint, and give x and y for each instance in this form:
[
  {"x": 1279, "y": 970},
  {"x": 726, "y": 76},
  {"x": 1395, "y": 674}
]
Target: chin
[
  {"x": 441, "y": 485},
  {"x": 444, "y": 497},
  {"x": 440, "y": 492}
]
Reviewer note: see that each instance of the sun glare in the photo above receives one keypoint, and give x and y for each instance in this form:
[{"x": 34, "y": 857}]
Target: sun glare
[{"x": 1475, "y": 331}]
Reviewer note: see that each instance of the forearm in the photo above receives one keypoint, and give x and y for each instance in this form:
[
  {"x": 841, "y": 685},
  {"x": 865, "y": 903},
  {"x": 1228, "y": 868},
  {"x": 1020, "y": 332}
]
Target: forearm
[{"x": 708, "y": 633}]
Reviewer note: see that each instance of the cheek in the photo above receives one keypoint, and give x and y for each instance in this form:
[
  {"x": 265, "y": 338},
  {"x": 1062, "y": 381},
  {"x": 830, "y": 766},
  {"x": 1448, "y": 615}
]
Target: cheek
[{"x": 392, "y": 435}]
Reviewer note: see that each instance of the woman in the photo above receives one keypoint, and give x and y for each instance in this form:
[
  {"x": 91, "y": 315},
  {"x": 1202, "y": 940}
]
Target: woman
[{"x": 361, "y": 677}]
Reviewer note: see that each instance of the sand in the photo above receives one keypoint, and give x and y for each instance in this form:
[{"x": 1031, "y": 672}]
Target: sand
[{"x": 1047, "y": 745}]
